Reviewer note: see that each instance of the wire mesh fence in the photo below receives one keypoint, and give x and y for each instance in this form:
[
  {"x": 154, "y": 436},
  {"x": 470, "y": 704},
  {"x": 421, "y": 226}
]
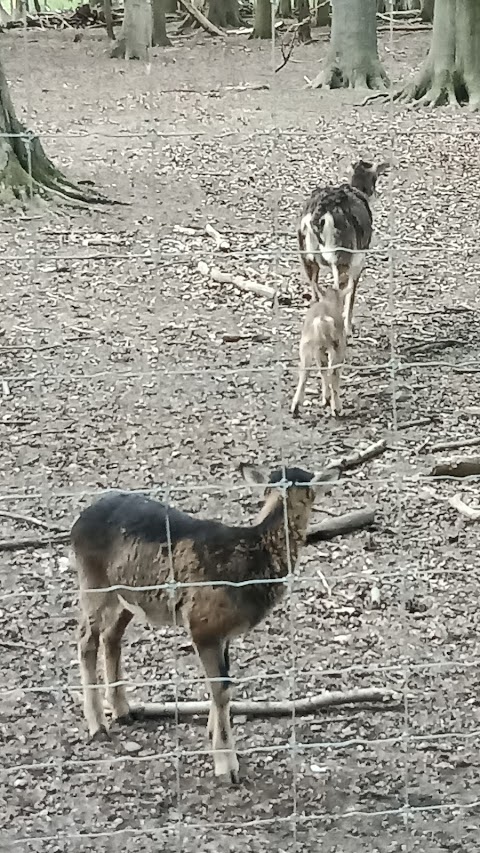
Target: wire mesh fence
[{"x": 123, "y": 366}]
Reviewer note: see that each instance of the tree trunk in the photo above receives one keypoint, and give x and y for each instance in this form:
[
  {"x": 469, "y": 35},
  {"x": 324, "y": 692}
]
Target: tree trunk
[
  {"x": 4, "y": 16},
  {"x": 323, "y": 14},
  {"x": 285, "y": 9},
  {"x": 427, "y": 11},
  {"x": 25, "y": 169},
  {"x": 223, "y": 13},
  {"x": 107, "y": 11},
  {"x": 159, "y": 31},
  {"x": 450, "y": 74},
  {"x": 303, "y": 14},
  {"x": 262, "y": 21},
  {"x": 136, "y": 33},
  {"x": 352, "y": 59}
]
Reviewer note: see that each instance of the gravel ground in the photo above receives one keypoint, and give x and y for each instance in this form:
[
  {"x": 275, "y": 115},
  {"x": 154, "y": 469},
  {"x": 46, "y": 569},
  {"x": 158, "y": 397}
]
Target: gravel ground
[{"x": 119, "y": 369}]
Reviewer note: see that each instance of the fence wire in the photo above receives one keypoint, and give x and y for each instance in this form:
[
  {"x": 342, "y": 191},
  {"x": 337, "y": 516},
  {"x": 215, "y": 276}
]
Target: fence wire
[{"x": 53, "y": 693}]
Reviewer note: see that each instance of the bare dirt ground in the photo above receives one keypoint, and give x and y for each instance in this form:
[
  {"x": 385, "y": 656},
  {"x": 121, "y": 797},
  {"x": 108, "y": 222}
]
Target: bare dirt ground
[{"x": 117, "y": 373}]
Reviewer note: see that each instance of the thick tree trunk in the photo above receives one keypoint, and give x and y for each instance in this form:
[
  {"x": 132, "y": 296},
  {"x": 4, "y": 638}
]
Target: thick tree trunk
[
  {"x": 428, "y": 7},
  {"x": 262, "y": 21},
  {"x": 5, "y": 18},
  {"x": 450, "y": 74},
  {"x": 223, "y": 13},
  {"x": 135, "y": 37},
  {"x": 285, "y": 9},
  {"x": 107, "y": 11},
  {"x": 25, "y": 169},
  {"x": 352, "y": 59},
  {"x": 323, "y": 14},
  {"x": 159, "y": 32},
  {"x": 303, "y": 14}
]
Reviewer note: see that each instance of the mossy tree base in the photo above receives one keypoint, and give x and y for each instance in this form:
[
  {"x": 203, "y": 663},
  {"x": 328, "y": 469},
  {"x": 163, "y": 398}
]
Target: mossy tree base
[
  {"x": 450, "y": 75},
  {"x": 352, "y": 61},
  {"x": 25, "y": 169},
  {"x": 368, "y": 75},
  {"x": 439, "y": 88}
]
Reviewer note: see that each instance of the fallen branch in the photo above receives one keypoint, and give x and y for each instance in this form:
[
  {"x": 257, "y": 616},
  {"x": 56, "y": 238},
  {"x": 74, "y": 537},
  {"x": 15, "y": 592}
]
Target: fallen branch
[
  {"x": 201, "y": 19},
  {"x": 456, "y": 502},
  {"x": 287, "y": 51},
  {"x": 399, "y": 14},
  {"x": 463, "y": 468},
  {"x": 359, "y": 457},
  {"x": 329, "y": 528},
  {"x": 455, "y": 445},
  {"x": 301, "y": 707},
  {"x": 471, "y": 512},
  {"x": 236, "y": 280},
  {"x": 30, "y": 519},
  {"x": 221, "y": 242},
  {"x": 235, "y": 339},
  {"x": 416, "y": 422},
  {"x": 34, "y": 542},
  {"x": 23, "y": 647}
]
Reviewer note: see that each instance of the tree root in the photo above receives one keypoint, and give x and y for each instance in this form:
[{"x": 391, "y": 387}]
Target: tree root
[
  {"x": 336, "y": 76},
  {"x": 431, "y": 88},
  {"x": 26, "y": 171}
]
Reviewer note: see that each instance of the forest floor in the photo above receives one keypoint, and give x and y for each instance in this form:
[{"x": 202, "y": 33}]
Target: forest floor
[{"x": 122, "y": 365}]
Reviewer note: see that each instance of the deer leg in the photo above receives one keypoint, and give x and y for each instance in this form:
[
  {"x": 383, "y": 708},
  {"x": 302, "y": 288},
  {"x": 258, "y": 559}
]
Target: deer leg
[
  {"x": 112, "y": 645},
  {"x": 214, "y": 659},
  {"x": 88, "y": 643},
  {"x": 305, "y": 360}
]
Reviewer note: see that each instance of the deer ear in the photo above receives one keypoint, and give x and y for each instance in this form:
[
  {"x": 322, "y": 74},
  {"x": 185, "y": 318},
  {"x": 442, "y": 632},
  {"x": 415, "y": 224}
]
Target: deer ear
[
  {"x": 382, "y": 168},
  {"x": 254, "y": 475}
]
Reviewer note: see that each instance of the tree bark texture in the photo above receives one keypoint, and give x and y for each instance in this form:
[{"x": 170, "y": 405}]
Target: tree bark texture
[
  {"x": 262, "y": 21},
  {"x": 285, "y": 9},
  {"x": 25, "y": 169},
  {"x": 159, "y": 31},
  {"x": 223, "y": 13},
  {"x": 4, "y": 15},
  {"x": 450, "y": 74},
  {"x": 428, "y": 7},
  {"x": 352, "y": 59},
  {"x": 323, "y": 15},
  {"x": 303, "y": 14},
  {"x": 135, "y": 37},
  {"x": 107, "y": 11}
]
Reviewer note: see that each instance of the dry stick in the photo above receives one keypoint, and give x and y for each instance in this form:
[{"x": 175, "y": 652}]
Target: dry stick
[
  {"x": 462, "y": 468},
  {"x": 456, "y": 502},
  {"x": 329, "y": 528},
  {"x": 30, "y": 519},
  {"x": 286, "y": 54},
  {"x": 237, "y": 281},
  {"x": 471, "y": 512},
  {"x": 34, "y": 542},
  {"x": 222, "y": 243},
  {"x": 301, "y": 707},
  {"x": 202, "y": 20},
  {"x": 358, "y": 457},
  {"x": 455, "y": 445},
  {"x": 415, "y": 422}
]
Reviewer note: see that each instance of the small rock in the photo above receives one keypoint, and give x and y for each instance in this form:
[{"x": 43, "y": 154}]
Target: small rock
[{"x": 131, "y": 747}]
